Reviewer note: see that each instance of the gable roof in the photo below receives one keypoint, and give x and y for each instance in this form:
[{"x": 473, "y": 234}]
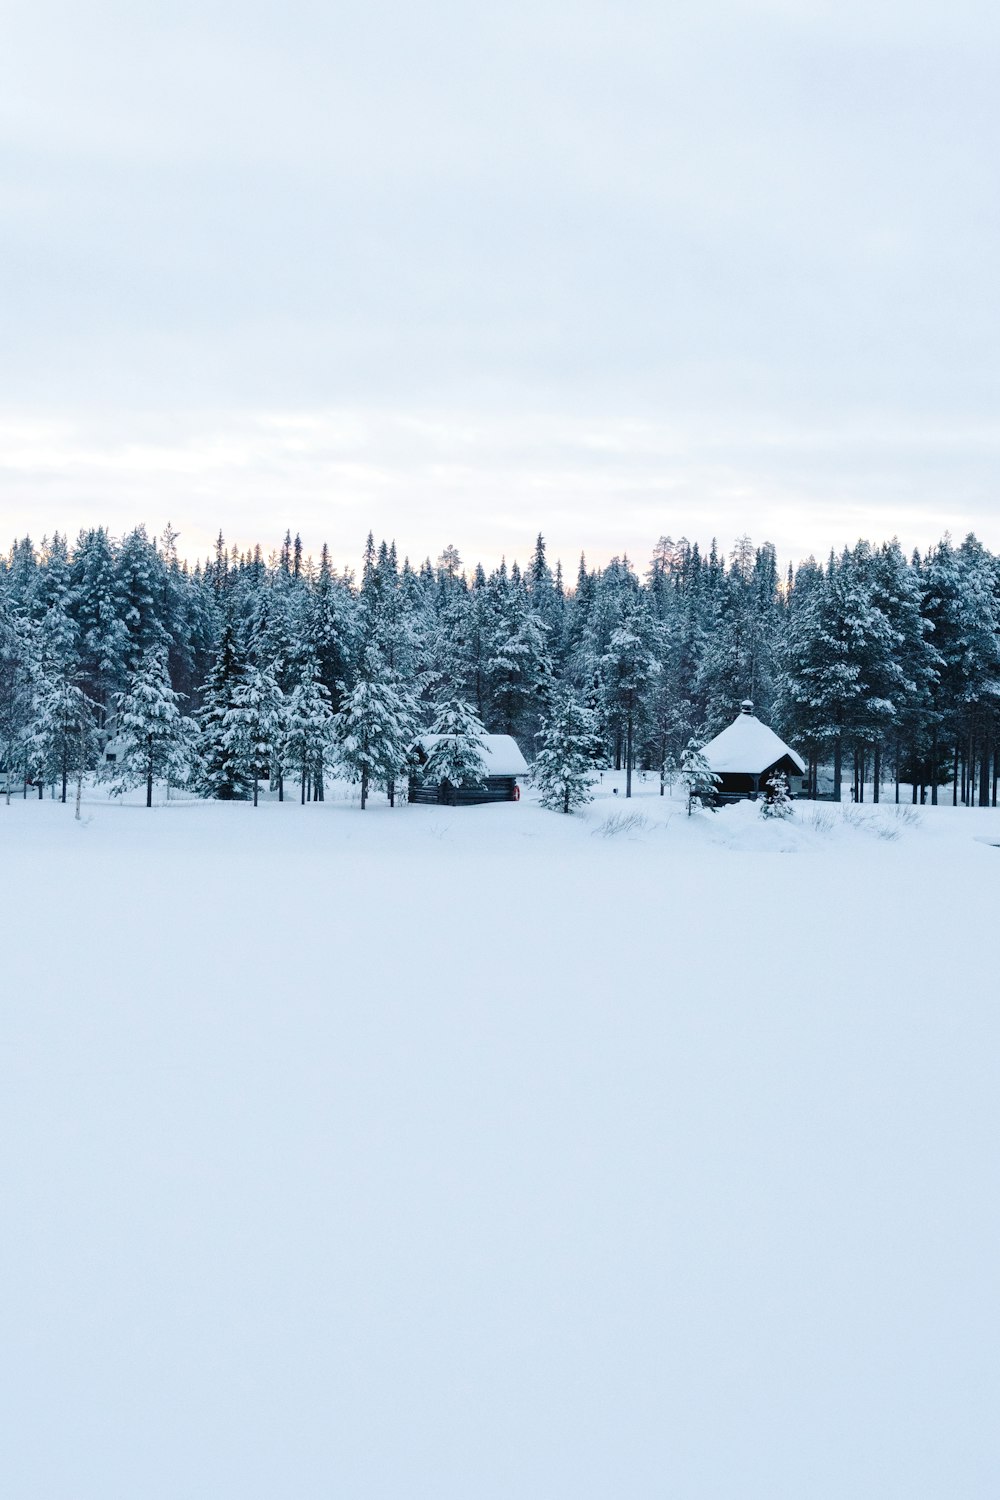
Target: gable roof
[
  {"x": 748, "y": 746},
  {"x": 501, "y": 753}
]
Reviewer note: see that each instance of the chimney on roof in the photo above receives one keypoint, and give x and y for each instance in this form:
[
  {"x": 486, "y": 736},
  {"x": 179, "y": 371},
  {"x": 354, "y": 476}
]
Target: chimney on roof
[{"x": 746, "y": 707}]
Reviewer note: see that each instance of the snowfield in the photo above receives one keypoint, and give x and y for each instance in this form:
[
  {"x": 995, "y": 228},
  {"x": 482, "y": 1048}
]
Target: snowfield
[{"x": 486, "y": 1153}]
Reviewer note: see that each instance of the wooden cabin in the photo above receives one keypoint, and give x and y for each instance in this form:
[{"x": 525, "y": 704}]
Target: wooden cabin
[
  {"x": 746, "y": 753},
  {"x": 504, "y": 764}
]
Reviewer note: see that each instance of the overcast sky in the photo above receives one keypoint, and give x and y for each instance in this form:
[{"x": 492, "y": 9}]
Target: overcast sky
[{"x": 459, "y": 272}]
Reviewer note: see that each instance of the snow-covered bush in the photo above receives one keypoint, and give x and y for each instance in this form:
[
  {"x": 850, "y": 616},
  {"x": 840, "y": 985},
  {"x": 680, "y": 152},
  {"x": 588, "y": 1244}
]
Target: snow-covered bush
[
  {"x": 776, "y": 801},
  {"x": 624, "y": 824}
]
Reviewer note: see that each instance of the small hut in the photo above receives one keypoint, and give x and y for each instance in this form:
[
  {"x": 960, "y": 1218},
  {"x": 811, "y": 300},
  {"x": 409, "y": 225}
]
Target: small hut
[
  {"x": 745, "y": 754},
  {"x": 504, "y": 764}
]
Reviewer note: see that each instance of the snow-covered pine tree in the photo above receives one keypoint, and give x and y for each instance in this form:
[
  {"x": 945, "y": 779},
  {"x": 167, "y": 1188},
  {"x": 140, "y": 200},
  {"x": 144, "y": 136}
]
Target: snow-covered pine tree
[
  {"x": 627, "y": 667},
  {"x": 776, "y": 801},
  {"x": 563, "y": 769},
  {"x": 153, "y": 739},
  {"x": 221, "y": 773},
  {"x": 375, "y": 727},
  {"x": 458, "y": 756},
  {"x": 699, "y": 778},
  {"x": 309, "y": 730},
  {"x": 254, "y": 726},
  {"x": 62, "y": 741},
  {"x": 15, "y": 697}
]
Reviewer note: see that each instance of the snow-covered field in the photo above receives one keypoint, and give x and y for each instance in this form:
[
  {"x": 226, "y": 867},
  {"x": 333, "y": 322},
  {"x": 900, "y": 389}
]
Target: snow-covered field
[{"x": 489, "y": 1153}]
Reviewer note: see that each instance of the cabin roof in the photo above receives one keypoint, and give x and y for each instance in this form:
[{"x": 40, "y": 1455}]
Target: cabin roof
[
  {"x": 748, "y": 746},
  {"x": 501, "y": 753}
]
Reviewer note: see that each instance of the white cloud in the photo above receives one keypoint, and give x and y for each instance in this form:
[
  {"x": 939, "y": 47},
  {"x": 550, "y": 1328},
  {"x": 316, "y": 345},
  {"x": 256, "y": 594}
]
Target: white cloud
[{"x": 488, "y": 484}]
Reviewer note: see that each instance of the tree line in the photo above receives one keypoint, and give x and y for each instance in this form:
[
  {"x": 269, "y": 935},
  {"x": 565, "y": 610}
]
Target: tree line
[{"x": 877, "y": 667}]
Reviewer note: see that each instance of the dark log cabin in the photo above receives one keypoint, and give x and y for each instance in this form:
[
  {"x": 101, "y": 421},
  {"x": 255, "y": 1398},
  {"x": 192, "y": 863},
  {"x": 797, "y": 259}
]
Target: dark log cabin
[{"x": 504, "y": 764}]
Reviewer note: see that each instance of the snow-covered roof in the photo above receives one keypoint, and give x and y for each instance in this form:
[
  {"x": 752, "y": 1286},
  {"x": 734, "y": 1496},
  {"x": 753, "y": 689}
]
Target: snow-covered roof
[
  {"x": 502, "y": 756},
  {"x": 747, "y": 746}
]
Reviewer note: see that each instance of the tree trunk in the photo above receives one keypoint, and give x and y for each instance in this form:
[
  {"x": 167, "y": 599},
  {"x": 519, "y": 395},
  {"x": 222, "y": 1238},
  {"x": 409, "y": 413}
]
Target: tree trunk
[
  {"x": 877, "y": 773},
  {"x": 837, "y": 768},
  {"x": 364, "y": 789},
  {"x": 984, "y": 773},
  {"x": 628, "y": 758},
  {"x": 954, "y": 779},
  {"x": 79, "y": 775},
  {"x": 934, "y": 770},
  {"x": 392, "y": 792},
  {"x": 255, "y": 789},
  {"x": 896, "y": 769},
  {"x": 281, "y": 786}
]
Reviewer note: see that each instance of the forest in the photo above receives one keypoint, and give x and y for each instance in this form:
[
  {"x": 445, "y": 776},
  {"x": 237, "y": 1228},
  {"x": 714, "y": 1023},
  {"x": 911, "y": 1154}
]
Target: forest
[{"x": 881, "y": 669}]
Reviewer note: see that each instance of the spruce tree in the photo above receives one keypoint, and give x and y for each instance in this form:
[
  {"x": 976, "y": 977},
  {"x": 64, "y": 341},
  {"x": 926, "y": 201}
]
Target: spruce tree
[
  {"x": 563, "y": 769},
  {"x": 699, "y": 778},
  {"x": 222, "y": 771},
  {"x": 457, "y": 758},
  {"x": 254, "y": 726},
  {"x": 63, "y": 739},
  {"x": 777, "y": 800},
  {"x": 309, "y": 730},
  {"x": 153, "y": 740},
  {"x": 374, "y": 729}
]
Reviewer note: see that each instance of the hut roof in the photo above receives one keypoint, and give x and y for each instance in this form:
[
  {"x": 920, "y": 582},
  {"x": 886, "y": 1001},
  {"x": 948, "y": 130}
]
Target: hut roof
[
  {"x": 747, "y": 746},
  {"x": 501, "y": 753}
]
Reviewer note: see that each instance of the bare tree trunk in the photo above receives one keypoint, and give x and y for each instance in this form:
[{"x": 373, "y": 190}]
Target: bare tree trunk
[
  {"x": 897, "y": 770},
  {"x": 364, "y": 789},
  {"x": 79, "y": 776},
  {"x": 934, "y": 769},
  {"x": 628, "y": 757},
  {"x": 837, "y": 768},
  {"x": 877, "y": 773}
]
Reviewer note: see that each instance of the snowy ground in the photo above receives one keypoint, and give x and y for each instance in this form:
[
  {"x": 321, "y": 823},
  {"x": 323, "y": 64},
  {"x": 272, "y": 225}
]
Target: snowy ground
[{"x": 489, "y": 1153}]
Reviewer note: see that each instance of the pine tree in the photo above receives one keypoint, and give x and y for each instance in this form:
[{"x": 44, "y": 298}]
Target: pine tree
[
  {"x": 457, "y": 757},
  {"x": 375, "y": 727},
  {"x": 153, "y": 740},
  {"x": 15, "y": 696},
  {"x": 563, "y": 769},
  {"x": 699, "y": 778},
  {"x": 222, "y": 772},
  {"x": 63, "y": 740},
  {"x": 254, "y": 725},
  {"x": 309, "y": 730},
  {"x": 627, "y": 668}
]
